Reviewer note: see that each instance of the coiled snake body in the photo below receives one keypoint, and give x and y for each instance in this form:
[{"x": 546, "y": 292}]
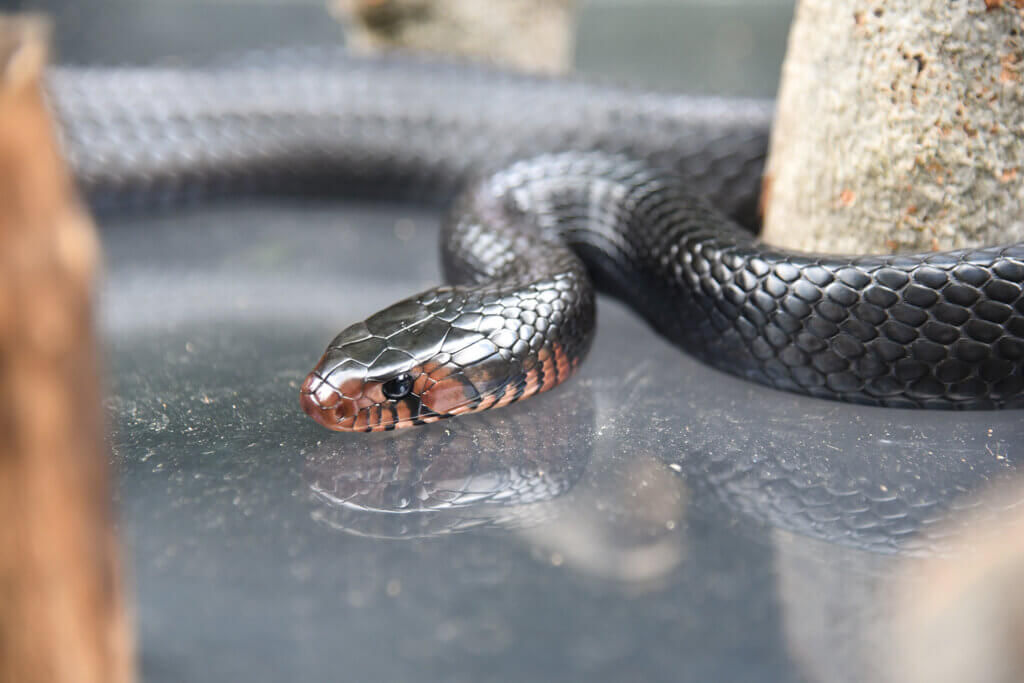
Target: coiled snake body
[{"x": 646, "y": 196}]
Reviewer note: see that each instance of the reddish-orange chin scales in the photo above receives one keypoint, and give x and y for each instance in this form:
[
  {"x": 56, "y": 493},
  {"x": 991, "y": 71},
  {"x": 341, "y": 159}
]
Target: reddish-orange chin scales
[{"x": 363, "y": 407}]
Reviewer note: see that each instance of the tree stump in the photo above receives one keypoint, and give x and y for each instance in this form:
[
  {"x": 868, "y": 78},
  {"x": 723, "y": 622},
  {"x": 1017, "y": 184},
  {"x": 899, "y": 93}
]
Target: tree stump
[{"x": 900, "y": 127}]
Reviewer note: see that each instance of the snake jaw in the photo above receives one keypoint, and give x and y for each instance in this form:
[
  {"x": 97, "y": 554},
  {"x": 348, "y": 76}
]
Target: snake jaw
[
  {"x": 358, "y": 407},
  {"x": 366, "y": 411},
  {"x": 345, "y": 396},
  {"x": 344, "y": 403}
]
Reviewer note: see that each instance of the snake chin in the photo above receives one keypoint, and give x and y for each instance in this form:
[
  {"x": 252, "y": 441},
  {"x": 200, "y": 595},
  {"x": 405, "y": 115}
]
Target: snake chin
[
  {"x": 363, "y": 413},
  {"x": 363, "y": 406},
  {"x": 345, "y": 395}
]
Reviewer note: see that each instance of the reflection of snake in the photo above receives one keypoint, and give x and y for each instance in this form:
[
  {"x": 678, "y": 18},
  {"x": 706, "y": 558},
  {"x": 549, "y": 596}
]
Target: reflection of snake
[
  {"x": 526, "y": 473},
  {"x": 859, "y": 479},
  {"x": 416, "y": 492},
  {"x": 525, "y": 244},
  {"x": 504, "y": 470}
]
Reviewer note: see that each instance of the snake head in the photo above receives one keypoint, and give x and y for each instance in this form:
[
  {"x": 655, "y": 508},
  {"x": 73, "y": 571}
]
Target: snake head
[{"x": 418, "y": 361}]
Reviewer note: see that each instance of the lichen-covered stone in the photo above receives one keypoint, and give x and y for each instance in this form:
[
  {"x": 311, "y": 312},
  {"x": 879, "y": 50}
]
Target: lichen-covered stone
[{"x": 900, "y": 127}]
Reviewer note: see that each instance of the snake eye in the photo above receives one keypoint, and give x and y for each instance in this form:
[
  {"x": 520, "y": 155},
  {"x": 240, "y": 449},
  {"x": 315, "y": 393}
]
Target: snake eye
[{"x": 397, "y": 387}]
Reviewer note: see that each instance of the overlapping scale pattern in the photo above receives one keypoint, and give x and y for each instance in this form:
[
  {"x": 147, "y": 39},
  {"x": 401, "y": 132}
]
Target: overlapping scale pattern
[{"x": 931, "y": 330}]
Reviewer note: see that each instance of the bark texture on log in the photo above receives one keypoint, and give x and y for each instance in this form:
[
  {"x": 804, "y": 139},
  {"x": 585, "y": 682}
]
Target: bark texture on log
[
  {"x": 61, "y": 614},
  {"x": 900, "y": 127},
  {"x": 533, "y": 35}
]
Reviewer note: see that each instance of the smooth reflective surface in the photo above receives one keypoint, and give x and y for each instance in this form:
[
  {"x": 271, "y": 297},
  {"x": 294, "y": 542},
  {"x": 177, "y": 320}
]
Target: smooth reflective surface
[{"x": 652, "y": 518}]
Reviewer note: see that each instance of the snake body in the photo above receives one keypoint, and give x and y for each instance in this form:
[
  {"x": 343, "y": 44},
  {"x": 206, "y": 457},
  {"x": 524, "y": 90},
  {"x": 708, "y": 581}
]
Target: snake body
[{"x": 647, "y": 196}]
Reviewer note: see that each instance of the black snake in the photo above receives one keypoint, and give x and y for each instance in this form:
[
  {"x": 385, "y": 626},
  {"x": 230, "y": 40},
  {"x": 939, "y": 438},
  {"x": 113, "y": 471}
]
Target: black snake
[{"x": 647, "y": 196}]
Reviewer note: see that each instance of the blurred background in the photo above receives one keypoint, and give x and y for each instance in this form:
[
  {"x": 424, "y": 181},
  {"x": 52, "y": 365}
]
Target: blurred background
[{"x": 730, "y": 46}]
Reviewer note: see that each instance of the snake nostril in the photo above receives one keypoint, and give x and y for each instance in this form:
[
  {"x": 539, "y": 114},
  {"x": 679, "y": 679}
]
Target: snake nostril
[
  {"x": 325, "y": 404},
  {"x": 311, "y": 383},
  {"x": 317, "y": 397},
  {"x": 311, "y": 406}
]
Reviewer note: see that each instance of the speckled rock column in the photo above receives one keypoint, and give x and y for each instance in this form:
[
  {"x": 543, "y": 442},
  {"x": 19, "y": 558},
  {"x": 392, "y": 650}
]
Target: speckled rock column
[{"x": 900, "y": 127}]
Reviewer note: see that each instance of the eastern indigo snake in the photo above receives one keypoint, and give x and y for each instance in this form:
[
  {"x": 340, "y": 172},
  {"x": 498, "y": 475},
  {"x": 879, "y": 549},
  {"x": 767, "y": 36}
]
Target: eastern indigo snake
[{"x": 649, "y": 197}]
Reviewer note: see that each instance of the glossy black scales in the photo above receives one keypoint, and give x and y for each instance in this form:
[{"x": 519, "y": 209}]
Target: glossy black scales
[{"x": 931, "y": 330}]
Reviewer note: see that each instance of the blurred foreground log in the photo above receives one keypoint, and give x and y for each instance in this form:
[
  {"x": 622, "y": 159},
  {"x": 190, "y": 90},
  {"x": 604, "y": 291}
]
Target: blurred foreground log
[
  {"x": 900, "y": 126},
  {"x": 534, "y": 35},
  {"x": 62, "y": 618},
  {"x": 961, "y": 618}
]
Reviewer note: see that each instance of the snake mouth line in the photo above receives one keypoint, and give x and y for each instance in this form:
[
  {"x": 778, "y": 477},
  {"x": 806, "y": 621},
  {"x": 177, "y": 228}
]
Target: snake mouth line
[
  {"x": 344, "y": 416},
  {"x": 329, "y": 407}
]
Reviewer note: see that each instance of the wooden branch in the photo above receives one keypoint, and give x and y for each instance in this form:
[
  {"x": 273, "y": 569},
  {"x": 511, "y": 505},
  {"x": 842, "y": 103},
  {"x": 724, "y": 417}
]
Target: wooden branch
[
  {"x": 62, "y": 616},
  {"x": 900, "y": 126}
]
